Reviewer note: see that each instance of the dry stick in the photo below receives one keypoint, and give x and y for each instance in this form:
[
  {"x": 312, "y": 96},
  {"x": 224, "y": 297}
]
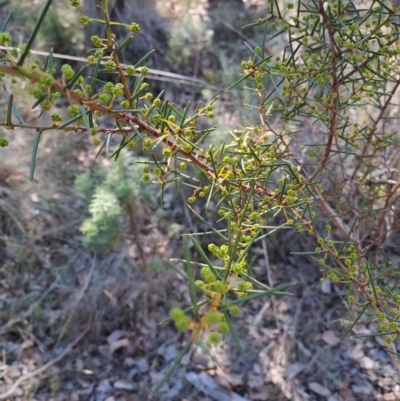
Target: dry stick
[
  {"x": 28, "y": 312},
  {"x": 154, "y": 74},
  {"x": 75, "y": 304},
  {"x": 36, "y": 372}
]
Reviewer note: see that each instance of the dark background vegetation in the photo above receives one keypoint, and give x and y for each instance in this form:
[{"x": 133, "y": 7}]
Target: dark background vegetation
[{"x": 54, "y": 279}]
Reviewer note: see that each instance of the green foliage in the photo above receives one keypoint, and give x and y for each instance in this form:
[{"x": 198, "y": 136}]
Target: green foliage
[
  {"x": 188, "y": 35},
  {"x": 106, "y": 192},
  {"x": 333, "y": 85}
]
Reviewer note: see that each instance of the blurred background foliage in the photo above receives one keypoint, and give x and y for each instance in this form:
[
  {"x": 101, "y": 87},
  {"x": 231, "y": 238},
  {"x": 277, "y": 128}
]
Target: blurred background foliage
[{"x": 199, "y": 39}]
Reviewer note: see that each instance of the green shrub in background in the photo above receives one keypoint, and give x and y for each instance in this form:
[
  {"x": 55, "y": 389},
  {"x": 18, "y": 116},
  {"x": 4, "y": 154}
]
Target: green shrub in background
[
  {"x": 323, "y": 147},
  {"x": 106, "y": 193}
]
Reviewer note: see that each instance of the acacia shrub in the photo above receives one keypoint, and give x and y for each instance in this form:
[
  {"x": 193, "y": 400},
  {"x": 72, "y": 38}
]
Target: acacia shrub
[{"x": 323, "y": 145}]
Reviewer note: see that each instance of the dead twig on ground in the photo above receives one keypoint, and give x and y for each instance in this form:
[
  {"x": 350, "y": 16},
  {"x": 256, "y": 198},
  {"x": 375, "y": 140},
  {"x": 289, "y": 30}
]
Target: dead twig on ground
[{"x": 43, "y": 368}]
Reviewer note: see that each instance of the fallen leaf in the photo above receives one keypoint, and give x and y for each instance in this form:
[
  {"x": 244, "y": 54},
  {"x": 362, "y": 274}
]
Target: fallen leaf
[
  {"x": 292, "y": 371},
  {"x": 330, "y": 338},
  {"x": 260, "y": 394},
  {"x": 27, "y": 344},
  {"x": 319, "y": 389},
  {"x": 119, "y": 344},
  {"x": 254, "y": 381},
  {"x": 126, "y": 385},
  {"x": 116, "y": 335}
]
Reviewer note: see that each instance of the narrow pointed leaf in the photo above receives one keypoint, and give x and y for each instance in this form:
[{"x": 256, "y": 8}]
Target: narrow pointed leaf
[
  {"x": 34, "y": 33},
  {"x": 34, "y": 154},
  {"x": 4, "y": 26},
  {"x": 77, "y": 75},
  {"x": 9, "y": 110},
  {"x": 144, "y": 58},
  {"x": 124, "y": 43}
]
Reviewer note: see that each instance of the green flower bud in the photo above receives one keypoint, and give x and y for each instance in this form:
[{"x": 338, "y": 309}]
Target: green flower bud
[
  {"x": 73, "y": 109},
  {"x": 167, "y": 152},
  {"x": 96, "y": 41},
  {"x": 234, "y": 310},
  {"x": 214, "y": 337},
  {"x": 133, "y": 27},
  {"x": 213, "y": 317},
  {"x": 182, "y": 325},
  {"x": 176, "y": 314},
  {"x": 143, "y": 71},
  {"x": 130, "y": 70},
  {"x": 55, "y": 118},
  {"x": 67, "y": 71},
  {"x": 223, "y": 328},
  {"x": 132, "y": 145},
  {"x": 5, "y": 39},
  {"x": 109, "y": 65},
  {"x": 104, "y": 98},
  {"x": 84, "y": 20},
  {"x": 91, "y": 60}
]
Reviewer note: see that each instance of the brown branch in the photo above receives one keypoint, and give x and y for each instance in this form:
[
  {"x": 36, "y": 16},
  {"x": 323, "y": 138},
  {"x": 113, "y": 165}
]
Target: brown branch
[{"x": 335, "y": 89}]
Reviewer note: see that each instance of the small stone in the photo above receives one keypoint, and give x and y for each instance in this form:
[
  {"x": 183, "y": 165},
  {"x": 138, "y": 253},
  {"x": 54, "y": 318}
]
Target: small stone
[
  {"x": 361, "y": 390},
  {"x": 74, "y": 397},
  {"x": 126, "y": 386},
  {"x": 257, "y": 369},
  {"x": 174, "y": 391},
  {"x": 142, "y": 365},
  {"x": 330, "y": 338},
  {"x": 379, "y": 354},
  {"x": 367, "y": 363},
  {"x": 129, "y": 362},
  {"x": 254, "y": 381},
  {"x": 260, "y": 394},
  {"x": 201, "y": 360},
  {"x": 356, "y": 353},
  {"x": 326, "y": 286},
  {"x": 132, "y": 373},
  {"x": 88, "y": 390},
  {"x": 104, "y": 386},
  {"x": 170, "y": 353}
]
